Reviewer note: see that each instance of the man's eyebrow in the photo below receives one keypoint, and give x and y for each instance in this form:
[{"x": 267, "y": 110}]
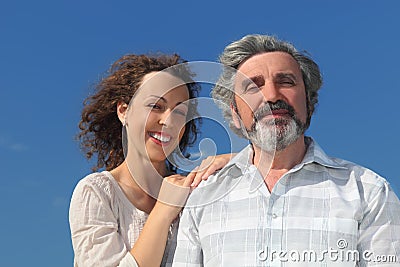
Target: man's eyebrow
[
  {"x": 257, "y": 80},
  {"x": 281, "y": 75}
]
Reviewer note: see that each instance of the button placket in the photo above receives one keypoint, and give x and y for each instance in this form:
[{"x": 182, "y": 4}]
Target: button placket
[{"x": 276, "y": 211}]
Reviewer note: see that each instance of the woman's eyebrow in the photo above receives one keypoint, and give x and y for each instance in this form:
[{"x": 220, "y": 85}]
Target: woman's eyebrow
[
  {"x": 182, "y": 103},
  {"x": 159, "y": 98},
  {"x": 166, "y": 101}
]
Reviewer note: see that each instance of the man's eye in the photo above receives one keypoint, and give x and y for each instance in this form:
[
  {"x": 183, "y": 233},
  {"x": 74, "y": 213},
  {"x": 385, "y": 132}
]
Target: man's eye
[
  {"x": 287, "y": 82},
  {"x": 251, "y": 90}
]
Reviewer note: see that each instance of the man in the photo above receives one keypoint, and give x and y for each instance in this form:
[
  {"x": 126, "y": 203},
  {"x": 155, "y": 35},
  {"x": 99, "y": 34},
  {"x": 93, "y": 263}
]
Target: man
[{"x": 282, "y": 201}]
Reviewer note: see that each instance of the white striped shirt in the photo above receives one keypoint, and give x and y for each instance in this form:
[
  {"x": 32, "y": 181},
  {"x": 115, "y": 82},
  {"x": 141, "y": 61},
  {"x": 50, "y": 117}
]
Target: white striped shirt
[{"x": 323, "y": 212}]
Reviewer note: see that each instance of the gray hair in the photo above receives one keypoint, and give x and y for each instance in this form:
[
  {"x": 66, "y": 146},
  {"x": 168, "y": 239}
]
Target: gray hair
[{"x": 250, "y": 45}]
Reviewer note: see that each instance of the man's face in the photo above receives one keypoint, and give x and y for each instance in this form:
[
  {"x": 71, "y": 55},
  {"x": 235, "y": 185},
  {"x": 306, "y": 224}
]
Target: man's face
[{"x": 271, "y": 100}]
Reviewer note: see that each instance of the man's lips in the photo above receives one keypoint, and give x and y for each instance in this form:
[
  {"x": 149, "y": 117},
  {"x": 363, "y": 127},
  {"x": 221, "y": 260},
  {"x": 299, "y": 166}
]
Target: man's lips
[
  {"x": 280, "y": 112},
  {"x": 277, "y": 113}
]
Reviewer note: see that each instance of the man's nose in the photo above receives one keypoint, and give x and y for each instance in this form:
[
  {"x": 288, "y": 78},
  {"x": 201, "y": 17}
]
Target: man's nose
[{"x": 271, "y": 92}]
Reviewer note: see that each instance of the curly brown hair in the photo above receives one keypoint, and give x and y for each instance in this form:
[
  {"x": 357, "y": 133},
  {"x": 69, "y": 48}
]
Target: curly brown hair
[{"x": 100, "y": 129}]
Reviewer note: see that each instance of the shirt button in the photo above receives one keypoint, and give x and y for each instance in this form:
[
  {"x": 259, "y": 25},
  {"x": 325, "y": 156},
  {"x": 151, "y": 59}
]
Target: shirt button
[{"x": 274, "y": 216}]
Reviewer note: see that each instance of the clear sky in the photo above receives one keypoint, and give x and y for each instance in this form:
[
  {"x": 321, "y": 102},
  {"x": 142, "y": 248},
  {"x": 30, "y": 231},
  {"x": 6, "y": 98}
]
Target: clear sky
[{"x": 52, "y": 52}]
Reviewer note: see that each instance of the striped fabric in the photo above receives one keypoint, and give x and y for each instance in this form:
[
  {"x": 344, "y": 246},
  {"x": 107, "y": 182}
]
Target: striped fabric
[{"x": 323, "y": 212}]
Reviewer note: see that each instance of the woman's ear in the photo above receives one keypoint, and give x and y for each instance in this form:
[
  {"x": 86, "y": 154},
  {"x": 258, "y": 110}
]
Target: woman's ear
[{"x": 122, "y": 108}]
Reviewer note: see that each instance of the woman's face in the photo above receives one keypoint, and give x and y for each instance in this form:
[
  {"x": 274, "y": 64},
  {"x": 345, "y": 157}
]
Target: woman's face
[{"x": 156, "y": 116}]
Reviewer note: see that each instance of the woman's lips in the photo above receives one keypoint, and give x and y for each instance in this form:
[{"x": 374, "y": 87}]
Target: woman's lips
[{"x": 160, "y": 138}]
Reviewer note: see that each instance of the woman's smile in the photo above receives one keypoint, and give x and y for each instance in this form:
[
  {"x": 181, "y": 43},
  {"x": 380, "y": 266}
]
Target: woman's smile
[{"x": 160, "y": 138}]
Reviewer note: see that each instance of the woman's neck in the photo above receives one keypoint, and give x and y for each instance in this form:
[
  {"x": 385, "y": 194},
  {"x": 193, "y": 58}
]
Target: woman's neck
[{"x": 139, "y": 191}]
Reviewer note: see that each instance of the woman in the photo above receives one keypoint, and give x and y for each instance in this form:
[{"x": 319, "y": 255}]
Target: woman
[{"x": 115, "y": 217}]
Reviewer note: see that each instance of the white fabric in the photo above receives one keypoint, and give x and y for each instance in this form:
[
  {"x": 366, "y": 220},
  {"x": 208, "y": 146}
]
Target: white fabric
[
  {"x": 104, "y": 223},
  {"x": 322, "y": 212}
]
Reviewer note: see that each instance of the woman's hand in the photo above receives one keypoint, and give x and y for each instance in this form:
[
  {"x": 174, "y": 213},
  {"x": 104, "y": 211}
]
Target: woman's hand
[
  {"x": 176, "y": 188},
  {"x": 173, "y": 194},
  {"x": 208, "y": 166}
]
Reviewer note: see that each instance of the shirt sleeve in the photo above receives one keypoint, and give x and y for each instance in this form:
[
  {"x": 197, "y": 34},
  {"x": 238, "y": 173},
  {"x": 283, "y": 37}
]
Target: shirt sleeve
[
  {"x": 94, "y": 229},
  {"x": 379, "y": 240},
  {"x": 128, "y": 261},
  {"x": 188, "y": 248}
]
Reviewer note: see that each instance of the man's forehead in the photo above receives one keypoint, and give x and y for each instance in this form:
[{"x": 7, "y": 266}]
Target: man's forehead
[{"x": 270, "y": 62}]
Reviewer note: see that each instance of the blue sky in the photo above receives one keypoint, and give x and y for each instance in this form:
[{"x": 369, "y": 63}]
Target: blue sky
[{"x": 52, "y": 52}]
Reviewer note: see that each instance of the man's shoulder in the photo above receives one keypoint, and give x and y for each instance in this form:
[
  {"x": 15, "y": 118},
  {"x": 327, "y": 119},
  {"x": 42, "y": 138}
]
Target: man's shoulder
[
  {"x": 221, "y": 183},
  {"x": 343, "y": 168},
  {"x": 215, "y": 188},
  {"x": 350, "y": 175},
  {"x": 360, "y": 173}
]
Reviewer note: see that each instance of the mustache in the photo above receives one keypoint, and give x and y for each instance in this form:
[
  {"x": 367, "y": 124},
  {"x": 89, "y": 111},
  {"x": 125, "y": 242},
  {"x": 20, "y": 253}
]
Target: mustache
[{"x": 270, "y": 106}]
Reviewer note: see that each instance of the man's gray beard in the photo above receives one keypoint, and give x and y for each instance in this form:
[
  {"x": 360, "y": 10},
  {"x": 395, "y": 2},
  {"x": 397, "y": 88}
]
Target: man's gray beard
[{"x": 275, "y": 135}]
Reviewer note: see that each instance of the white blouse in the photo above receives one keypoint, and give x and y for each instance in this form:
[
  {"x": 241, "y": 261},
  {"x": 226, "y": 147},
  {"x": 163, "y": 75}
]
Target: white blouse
[{"x": 104, "y": 223}]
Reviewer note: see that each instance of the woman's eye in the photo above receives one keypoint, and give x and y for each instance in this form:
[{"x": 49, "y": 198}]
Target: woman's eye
[
  {"x": 180, "y": 112},
  {"x": 154, "y": 106}
]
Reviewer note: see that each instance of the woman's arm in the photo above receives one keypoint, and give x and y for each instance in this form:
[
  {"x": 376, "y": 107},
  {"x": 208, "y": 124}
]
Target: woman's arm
[
  {"x": 149, "y": 248},
  {"x": 94, "y": 228}
]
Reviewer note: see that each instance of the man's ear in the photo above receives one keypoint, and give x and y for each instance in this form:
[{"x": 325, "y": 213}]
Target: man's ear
[
  {"x": 235, "y": 116},
  {"x": 122, "y": 108}
]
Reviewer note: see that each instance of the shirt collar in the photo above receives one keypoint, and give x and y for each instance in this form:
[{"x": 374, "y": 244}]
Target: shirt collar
[
  {"x": 242, "y": 161},
  {"x": 239, "y": 163},
  {"x": 316, "y": 154}
]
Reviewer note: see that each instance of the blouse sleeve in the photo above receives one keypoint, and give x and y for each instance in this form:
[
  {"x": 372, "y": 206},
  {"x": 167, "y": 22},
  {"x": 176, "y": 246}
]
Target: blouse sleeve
[{"x": 94, "y": 229}]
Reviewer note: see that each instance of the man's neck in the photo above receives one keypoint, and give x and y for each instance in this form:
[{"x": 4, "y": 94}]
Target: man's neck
[{"x": 273, "y": 166}]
